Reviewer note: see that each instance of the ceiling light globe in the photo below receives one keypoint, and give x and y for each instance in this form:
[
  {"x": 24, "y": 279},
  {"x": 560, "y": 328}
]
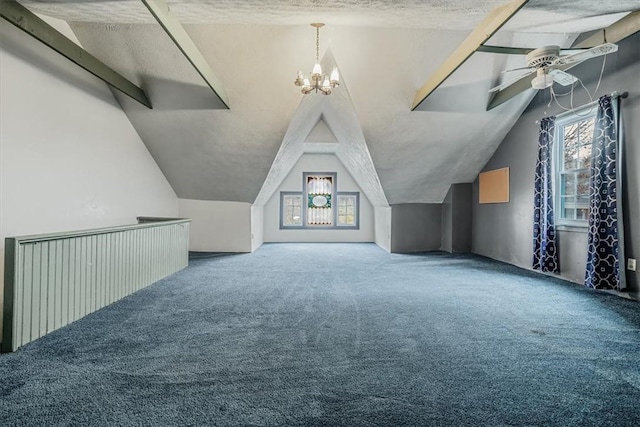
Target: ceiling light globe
[{"x": 542, "y": 81}]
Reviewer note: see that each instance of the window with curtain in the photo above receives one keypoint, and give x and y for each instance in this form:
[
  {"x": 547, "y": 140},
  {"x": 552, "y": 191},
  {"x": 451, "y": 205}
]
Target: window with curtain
[{"x": 574, "y": 138}]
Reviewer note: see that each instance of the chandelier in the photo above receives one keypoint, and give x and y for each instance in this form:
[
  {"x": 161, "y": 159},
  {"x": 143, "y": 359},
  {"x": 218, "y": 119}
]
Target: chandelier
[{"x": 319, "y": 81}]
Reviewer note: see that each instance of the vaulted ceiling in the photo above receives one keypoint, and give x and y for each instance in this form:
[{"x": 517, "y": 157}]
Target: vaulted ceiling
[{"x": 385, "y": 51}]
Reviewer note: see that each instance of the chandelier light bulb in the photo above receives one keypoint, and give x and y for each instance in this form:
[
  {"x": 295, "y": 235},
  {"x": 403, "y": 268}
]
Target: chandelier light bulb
[
  {"x": 326, "y": 86},
  {"x": 335, "y": 77},
  {"x": 317, "y": 70}
]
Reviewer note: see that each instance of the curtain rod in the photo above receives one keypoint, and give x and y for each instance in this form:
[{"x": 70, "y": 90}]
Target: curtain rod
[{"x": 614, "y": 94}]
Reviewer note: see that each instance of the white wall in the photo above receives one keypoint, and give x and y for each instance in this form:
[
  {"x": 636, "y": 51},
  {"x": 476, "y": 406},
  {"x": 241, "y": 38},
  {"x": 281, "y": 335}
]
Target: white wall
[
  {"x": 293, "y": 182},
  {"x": 383, "y": 227},
  {"x": 218, "y": 226},
  {"x": 257, "y": 227},
  {"x": 69, "y": 157}
]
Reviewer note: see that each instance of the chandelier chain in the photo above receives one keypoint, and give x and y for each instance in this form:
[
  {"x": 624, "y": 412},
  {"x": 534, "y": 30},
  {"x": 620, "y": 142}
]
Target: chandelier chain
[{"x": 317, "y": 44}]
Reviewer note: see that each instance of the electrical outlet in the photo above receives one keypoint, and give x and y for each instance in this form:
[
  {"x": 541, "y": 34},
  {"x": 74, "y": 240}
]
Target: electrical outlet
[{"x": 631, "y": 264}]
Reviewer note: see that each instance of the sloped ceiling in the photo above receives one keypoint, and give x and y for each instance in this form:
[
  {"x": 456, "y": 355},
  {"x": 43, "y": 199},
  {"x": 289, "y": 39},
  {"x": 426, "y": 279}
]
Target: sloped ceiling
[{"x": 386, "y": 50}]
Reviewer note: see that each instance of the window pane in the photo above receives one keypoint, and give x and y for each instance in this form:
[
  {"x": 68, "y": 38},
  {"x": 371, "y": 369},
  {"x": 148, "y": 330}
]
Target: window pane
[
  {"x": 319, "y": 184},
  {"x": 568, "y": 186},
  {"x": 584, "y": 156},
  {"x": 347, "y": 210},
  {"x": 582, "y": 207},
  {"x": 582, "y": 213},
  {"x": 291, "y": 210},
  {"x": 586, "y": 131},
  {"x": 319, "y": 216},
  {"x": 568, "y": 207},
  {"x": 583, "y": 184},
  {"x": 570, "y": 146}
]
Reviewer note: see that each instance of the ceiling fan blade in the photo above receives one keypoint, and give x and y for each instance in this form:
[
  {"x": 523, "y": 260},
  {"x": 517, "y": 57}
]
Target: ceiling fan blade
[
  {"x": 594, "y": 52},
  {"x": 507, "y": 50},
  {"x": 562, "y": 77},
  {"x": 504, "y": 49},
  {"x": 518, "y": 69},
  {"x": 510, "y": 82},
  {"x": 505, "y": 94}
]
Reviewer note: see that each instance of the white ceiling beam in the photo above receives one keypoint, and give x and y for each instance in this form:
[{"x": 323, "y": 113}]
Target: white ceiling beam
[
  {"x": 483, "y": 32},
  {"x": 177, "y": 33}
]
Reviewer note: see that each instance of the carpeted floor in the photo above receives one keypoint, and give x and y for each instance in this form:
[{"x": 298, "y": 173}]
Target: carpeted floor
[{"x": 337, "y": 334}]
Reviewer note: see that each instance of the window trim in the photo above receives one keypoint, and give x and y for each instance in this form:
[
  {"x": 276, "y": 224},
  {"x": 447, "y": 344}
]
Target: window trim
[{"x": 578, "y": 115}]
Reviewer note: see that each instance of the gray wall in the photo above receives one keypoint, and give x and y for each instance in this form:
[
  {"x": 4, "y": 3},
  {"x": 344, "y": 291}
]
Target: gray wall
[
  {"x": 416, "y": 227},
  {"x": 457, "y": 219},
  {"x": 446, "y": 243},
  {"x": 504, "y": 231}
]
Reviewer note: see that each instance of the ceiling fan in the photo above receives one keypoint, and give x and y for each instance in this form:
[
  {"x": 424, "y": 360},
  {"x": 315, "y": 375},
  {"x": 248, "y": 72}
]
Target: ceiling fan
[{"x": 548, "y": 62}]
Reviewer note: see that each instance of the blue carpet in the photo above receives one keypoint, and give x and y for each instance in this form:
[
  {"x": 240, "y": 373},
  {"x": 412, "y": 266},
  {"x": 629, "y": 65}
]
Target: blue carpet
[{"x": 337, "y": 334}]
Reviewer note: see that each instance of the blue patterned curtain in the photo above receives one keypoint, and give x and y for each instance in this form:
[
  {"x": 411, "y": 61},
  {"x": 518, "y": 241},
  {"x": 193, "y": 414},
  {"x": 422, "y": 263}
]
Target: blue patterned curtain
[
  {"x": 545, "y": 250},
  {"x": 605, "y": 250}
]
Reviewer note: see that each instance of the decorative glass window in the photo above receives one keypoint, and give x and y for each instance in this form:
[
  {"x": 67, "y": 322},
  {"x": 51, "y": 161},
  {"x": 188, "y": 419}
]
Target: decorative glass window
[
  {"x": 573, "y": 136},
  {"x": 319, "y": 189},
  {"x": 291, "y": 210},
  {"x": 348, "y": 209}
]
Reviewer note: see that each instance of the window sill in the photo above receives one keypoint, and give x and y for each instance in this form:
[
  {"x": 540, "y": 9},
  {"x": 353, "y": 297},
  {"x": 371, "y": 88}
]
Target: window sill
[{"x": 584, "y": 229}]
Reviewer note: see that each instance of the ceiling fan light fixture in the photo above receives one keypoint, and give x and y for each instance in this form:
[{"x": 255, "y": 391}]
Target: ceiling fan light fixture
[
  {"x": 318, "y": 81},
  {"x": 542, "y": 80}
]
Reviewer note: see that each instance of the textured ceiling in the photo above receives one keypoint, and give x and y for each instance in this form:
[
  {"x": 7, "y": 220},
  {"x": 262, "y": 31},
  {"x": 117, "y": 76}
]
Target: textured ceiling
[
  {"x": 433, "y": 14},
  {"x": 385, "y": 51}
]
